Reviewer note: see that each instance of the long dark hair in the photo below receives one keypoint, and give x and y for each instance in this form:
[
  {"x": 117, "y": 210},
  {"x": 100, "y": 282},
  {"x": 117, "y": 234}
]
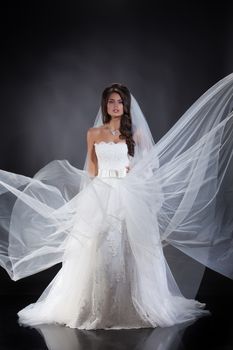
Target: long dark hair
[{"x": 126, "y": 120}]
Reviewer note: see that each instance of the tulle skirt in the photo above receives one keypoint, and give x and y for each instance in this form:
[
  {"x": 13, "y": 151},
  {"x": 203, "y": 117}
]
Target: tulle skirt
[{"x": 109, "y": 279}]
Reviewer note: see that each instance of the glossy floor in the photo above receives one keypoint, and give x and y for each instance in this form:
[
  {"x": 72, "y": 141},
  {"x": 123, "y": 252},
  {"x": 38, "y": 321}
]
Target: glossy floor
[{"x": 213, "y": 332}]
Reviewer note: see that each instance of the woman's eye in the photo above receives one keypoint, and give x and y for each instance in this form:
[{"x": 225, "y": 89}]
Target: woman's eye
[{"x": 110, "y": 102}]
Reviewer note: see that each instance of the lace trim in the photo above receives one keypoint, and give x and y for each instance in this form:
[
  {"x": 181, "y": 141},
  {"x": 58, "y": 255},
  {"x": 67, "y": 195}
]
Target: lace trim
[{"x": 109, "y": 143}]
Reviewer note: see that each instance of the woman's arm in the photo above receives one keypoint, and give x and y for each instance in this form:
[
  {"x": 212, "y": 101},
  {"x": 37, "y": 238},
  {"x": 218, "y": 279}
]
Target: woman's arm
[{"x": 92, "y": 167}]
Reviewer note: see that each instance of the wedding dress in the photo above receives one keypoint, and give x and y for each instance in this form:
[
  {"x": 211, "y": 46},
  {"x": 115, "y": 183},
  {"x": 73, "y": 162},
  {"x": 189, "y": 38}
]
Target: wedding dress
[
  {"x": 99, "y": 285},
  {"x": 111, "y": 232}
]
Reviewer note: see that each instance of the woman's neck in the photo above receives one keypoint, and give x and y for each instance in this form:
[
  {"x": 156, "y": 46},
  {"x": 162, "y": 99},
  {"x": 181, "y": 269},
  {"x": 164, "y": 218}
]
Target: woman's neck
[{"x": 114, "y": 124}]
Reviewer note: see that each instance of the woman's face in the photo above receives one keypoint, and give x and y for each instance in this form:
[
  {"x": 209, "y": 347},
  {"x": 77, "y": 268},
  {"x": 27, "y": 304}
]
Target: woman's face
[{"x": 115, "y": 107}]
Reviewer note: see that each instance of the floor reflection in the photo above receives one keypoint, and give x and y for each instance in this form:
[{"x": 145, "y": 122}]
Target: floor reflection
[{"x": 60, "y": 338}]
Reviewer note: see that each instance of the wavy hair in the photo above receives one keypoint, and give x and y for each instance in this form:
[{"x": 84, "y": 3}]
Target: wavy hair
[{"x": 126, "y": 119}]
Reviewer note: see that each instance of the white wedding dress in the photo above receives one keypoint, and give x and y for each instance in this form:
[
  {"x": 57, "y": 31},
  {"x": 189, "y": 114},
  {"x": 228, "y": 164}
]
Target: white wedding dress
[
  {"x": 108, "y": 280},
  {"x": 122, "y": 237}
]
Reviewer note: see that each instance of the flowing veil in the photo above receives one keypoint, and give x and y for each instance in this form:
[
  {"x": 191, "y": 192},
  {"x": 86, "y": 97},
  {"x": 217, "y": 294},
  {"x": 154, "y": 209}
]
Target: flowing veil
[
  {"x": 183, "y": 185},
  {"x": 196, "y": 163}
]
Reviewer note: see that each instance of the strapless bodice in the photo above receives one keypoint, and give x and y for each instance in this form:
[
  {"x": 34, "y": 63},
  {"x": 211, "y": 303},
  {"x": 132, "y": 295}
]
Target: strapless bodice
[{"x": 112, "y": 159}]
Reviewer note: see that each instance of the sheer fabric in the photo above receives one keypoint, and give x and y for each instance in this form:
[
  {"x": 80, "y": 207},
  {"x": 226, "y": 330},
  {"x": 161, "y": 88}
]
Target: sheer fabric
[
  {"x": 108, "y": 278},
  {"x": 182, "y": 185}
]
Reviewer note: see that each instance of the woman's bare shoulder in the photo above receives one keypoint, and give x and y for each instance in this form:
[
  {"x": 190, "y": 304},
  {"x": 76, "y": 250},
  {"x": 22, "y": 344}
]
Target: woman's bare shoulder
[
  {"x": 96, "y": 133},
  {"x": 96, "y": 130}
]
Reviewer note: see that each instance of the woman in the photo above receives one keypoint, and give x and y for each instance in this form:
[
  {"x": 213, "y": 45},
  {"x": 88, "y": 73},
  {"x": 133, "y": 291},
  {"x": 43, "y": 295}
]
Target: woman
[
  {"x": 110, "y": 223},
  {"x": 116, "y": 125}
]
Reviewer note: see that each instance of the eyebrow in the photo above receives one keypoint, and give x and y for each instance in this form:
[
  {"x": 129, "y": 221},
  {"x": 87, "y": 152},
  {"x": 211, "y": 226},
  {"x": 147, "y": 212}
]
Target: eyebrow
[{"x": 112, "y": 99}]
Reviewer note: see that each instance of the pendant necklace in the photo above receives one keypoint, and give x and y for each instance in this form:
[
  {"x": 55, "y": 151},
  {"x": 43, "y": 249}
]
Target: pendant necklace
[{"x": 114, "y": 132}]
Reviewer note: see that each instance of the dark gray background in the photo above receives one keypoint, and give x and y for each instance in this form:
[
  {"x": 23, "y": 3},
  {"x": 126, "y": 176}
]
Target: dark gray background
[{"x": 56, "y": 59}]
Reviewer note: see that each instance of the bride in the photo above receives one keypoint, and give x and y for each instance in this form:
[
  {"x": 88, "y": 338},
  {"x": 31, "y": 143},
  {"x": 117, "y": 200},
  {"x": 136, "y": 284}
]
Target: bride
[{"x": 110, "y": 223}]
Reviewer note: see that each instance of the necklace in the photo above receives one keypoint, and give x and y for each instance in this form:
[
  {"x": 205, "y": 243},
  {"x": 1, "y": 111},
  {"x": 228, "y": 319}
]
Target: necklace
[{"x": 114, "y": 132}]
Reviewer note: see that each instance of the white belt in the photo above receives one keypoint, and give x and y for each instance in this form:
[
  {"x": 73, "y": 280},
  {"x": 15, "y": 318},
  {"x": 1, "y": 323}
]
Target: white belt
[{"x": 112, "y": 172}]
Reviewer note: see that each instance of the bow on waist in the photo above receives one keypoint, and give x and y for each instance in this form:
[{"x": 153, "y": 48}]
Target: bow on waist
[{"x": 112, "y": 172}]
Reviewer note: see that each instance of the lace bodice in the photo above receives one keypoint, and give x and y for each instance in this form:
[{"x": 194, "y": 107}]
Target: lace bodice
[{"x": 112, "y": 158}]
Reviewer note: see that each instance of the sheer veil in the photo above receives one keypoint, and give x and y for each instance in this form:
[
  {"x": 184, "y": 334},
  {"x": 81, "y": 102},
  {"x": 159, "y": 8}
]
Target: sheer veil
[
  {"x": 182, "y": 184},
  {"x": 195, "y": 172}
]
